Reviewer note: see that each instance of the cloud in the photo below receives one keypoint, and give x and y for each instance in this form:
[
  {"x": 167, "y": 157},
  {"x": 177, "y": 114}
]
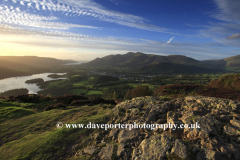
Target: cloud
[
  {"x": 228, "y": 10},
  {"x": 14, "y": 17},
  {"x": 74, "y": 42},
  {"x": 234, "y": 36},
  {"x": 170, "y": 40},
  {"x": 91, "y": 9},
  {"x": 228, "y": 15}
]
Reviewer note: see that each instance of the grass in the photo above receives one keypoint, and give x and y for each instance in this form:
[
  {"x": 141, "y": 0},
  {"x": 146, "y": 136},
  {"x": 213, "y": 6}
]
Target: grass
[
  {"x": 152, "y": 87},
  {"x": 28, "y": 134},
  {"x": 192, "y": 118},
  {"x": 78, "y": 91},
  {"x": 86, "y": 83},
  {"x": 13, "y": 112},
  {"x": 55, "y": 83},
  {"x": 93, "y": 92}
]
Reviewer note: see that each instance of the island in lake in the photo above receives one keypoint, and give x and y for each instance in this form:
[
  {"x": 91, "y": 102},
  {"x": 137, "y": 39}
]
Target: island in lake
[{"x": 36, "y": 80}]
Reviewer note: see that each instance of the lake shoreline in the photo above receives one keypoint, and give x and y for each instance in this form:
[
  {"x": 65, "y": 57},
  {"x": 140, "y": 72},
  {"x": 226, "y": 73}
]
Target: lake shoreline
[{"x": 19, "y": 82}]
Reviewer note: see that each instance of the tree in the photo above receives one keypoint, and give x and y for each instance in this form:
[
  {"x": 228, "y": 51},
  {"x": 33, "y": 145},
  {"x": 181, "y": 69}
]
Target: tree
[{"x": 128, "y": 95}]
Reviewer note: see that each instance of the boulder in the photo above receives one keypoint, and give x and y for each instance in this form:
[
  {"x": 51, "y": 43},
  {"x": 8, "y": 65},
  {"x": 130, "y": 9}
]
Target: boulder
[
  {"x": 90, "y": 150},
  {"x": 179, "y": 149},
  {"x": 153, "y": 148},
  {"x": 106, "y": 152},
  {"x": 129, "y": 136}
]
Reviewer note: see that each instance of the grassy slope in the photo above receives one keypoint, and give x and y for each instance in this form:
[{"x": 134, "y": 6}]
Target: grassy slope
[{"x": 29, "y": 133}]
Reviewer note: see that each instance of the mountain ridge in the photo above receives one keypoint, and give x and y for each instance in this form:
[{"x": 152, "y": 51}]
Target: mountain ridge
[{"x": 154, "y": 63}]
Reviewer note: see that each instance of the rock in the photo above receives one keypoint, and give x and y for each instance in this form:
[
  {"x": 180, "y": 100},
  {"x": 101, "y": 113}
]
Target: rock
[
  {"x": 214, "y": 155},
  {"x": 205, "y": 154},
  {"x": 75, "y": 146},
  {"x": 134, "y": 111},
  {"x": 114, "y": 133},
  {"x": 212, "y": 140},
  {"x": 233, "y": 150},
  {"x": 235, "y": 123},
  {"x": 235, "y": 106},
  {"x": 230, "y": 131},
  {"x": 179, "y": 149},
  {"x": 106, "y": 152},
  {"x": 177, "y": 123},
  {"x": 153, "y": 148},
  {"x": 122, "y": 152},
  {"x": 90, "y": 150},
  {"x": 128, "y": 136},
  {"x": 96, "y": 136},
  {"x": 208, "y": 125},
  {"x": 225, "y": 118},
  {"x": 152, "y": 116}
]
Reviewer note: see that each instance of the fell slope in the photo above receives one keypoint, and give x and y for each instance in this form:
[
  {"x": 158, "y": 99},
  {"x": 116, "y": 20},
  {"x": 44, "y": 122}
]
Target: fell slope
[
  {"x": 12, "y": 66},
  {"x": 230, "y": 62},
  {"x": 140, "y": 59},
  {"x": 27, "y": 133}
]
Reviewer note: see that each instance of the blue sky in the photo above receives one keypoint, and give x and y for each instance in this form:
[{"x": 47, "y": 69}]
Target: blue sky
[{"x": 85, "y": 29}]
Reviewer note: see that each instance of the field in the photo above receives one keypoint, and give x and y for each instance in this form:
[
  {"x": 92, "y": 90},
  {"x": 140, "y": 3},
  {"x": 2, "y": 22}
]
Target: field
[
  {"x": 78, "y": 91},
  {"x": 93, "y": 92},
  {"x": 152, "y": 87}
]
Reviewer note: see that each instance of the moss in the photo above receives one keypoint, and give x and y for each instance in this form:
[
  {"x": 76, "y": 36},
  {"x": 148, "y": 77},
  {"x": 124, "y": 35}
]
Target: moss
[{"x": 192, "y": 118}]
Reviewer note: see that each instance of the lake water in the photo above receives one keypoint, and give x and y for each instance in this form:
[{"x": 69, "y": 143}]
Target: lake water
[
  {"x": 19, "y": 82},
  {"x": 77, "y": 63}
]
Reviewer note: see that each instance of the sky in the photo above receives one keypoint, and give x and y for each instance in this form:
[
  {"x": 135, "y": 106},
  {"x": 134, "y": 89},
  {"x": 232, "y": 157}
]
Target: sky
[{"x": 83, "y": 30}]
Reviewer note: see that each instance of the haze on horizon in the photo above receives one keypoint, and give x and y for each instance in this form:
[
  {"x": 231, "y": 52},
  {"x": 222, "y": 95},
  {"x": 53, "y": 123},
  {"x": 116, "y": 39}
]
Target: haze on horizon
[{"x": 85, "y": 29}]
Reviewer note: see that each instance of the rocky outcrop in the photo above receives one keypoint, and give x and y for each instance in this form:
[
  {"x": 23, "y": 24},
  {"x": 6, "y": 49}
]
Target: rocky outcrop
[
  {"x": 106, "y": 152},
  {"x": 201, "y": 128}
]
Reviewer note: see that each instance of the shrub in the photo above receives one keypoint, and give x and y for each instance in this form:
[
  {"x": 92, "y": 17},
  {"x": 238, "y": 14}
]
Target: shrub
[
  {"x": 55, "y": 106},
  {"x": 79, "y": 102},
  {"x": 139, "y": 91},
  {"x": 176, "y": 89}
]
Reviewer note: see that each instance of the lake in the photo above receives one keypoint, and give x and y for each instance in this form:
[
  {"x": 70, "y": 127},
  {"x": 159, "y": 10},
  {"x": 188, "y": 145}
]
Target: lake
[
  {"x": 77, "y": 63},
  {"x": 19, "y": 82}
]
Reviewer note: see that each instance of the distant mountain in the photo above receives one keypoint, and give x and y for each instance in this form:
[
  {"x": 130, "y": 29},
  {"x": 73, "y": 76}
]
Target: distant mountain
[
  {"x": 30, "y": 61},
  {"x": 140, "y": 59},
  {"x": 230, "y": 62},
  {"x": 154, "y": 63},
  {"x": 12, "y": 66}
]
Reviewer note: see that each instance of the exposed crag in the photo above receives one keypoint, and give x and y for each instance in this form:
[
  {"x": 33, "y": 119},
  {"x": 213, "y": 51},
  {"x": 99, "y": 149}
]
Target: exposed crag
[{"x": 217, "y": 138}]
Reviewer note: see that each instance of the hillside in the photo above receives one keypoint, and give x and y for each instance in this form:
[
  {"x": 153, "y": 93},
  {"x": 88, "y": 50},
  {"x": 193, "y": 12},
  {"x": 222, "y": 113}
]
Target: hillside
[
  {"x": 147, "y": 63},
  {"x": 28, "y": 131},
  {"x": 12, "y": 66},
  {"x": 140, "y": 59},
  {"x": 30, "y": 61},
  {"x": 6, "y": 72},
  {"x": 175, "y": 68},
  {"x": 226, "y": 63}
]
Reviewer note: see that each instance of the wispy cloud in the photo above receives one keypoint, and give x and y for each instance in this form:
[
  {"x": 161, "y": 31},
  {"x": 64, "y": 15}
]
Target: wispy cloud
[
  {"x": 227, "y": 31},
  {"x": 11, "y": 16},
  {"x": 78, "y": 42},
  {"x": 170, "y": 40},
  {"x": 234, "y": 36},
  {"x": 87, "y": 8}
]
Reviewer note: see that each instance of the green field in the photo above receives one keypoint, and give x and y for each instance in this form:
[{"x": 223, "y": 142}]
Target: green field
[
  {"x": 144, "y": 84},
  {"x": 78, "y": 91},
  {"x": 86, "y": 83},
  {"x": 55, "y": 83},
  {"x": 93, "y": 92}
]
